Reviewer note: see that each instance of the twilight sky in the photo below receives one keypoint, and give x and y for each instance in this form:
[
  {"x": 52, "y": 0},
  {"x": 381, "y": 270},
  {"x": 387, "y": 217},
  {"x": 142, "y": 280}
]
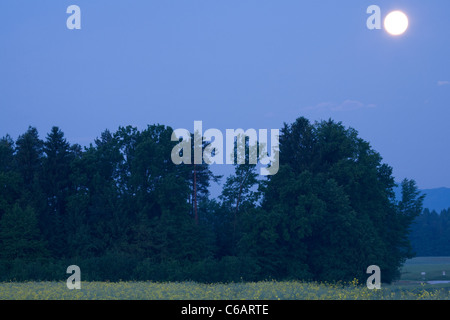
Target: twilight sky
[{"x": 233, "y": 64}]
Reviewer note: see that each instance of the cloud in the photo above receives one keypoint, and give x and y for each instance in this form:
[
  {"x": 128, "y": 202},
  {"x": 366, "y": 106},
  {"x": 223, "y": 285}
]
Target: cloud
[
  {"x": 443, "y": 83},
  {"x": 320, "y": 106},
  {"x": 347, "y": 105}
]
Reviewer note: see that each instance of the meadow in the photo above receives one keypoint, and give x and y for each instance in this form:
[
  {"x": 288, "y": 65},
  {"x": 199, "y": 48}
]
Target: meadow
[
  {"x": 410, "y": 287},
  {"x": 434, "y": 268}
]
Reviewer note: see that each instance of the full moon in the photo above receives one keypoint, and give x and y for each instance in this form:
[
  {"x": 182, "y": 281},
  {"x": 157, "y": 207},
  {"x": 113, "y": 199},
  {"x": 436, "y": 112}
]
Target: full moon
[{"x": 396, "y": 23}]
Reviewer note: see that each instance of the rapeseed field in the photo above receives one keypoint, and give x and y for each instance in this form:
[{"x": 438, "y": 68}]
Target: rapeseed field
[{"x": 264, "y": 290}]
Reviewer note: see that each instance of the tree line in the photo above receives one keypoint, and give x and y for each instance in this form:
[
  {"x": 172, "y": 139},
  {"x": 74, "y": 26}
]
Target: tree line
[
  {"x": 120, "y": 209},
  {"x": 430, "y": 233}
]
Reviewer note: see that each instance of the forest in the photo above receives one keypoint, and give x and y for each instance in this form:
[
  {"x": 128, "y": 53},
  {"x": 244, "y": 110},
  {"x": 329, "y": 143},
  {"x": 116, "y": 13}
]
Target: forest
[
  {"x": 120, "y": 209},
  {"x": 430, "y": 233}
]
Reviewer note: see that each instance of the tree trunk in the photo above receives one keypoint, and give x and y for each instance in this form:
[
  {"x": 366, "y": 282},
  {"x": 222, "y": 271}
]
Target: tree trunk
[{"x": 195, "y": 196}]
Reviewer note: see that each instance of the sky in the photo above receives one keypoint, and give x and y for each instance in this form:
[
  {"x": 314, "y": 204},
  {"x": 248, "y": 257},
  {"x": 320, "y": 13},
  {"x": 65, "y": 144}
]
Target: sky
[{"x": 233, "y": 64}]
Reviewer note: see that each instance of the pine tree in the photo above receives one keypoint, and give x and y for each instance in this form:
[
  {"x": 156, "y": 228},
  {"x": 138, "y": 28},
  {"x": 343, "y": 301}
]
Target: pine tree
[
  {"x": 56, "y": 187},
  {"x": 240, "y": 193},
  {"x": 29, "y": 155},
  {"x": 10, "y": 179}
]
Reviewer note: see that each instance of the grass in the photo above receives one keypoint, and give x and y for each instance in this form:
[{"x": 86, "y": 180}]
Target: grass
[
  {"x": 432, "y": 266},
  {"x": 409, "y": 288}
]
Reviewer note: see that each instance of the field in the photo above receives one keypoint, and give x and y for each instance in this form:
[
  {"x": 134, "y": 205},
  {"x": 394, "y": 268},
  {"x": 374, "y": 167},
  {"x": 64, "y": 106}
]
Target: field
[
  {"x": 435, "y": 268},
  {"x": 412, "y": 286}
]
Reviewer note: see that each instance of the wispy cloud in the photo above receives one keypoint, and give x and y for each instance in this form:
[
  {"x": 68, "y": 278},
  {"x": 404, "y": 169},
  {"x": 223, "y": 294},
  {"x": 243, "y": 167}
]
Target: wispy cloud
[
  {"x": 347, "y": 105},
  {"x": 443, "y": 83}
]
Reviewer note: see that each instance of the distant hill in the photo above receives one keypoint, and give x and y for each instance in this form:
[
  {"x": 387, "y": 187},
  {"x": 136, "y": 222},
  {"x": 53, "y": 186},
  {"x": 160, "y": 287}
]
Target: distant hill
[{"x": 435, "y": 199}]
